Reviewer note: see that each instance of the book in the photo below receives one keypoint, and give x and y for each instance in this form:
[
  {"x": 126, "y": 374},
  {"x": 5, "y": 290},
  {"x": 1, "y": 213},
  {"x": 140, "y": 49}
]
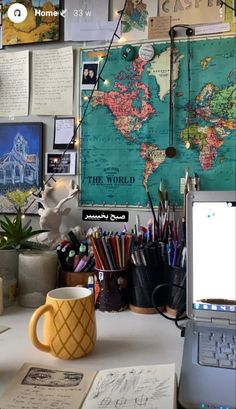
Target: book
[{"x": 42, "y": 387}]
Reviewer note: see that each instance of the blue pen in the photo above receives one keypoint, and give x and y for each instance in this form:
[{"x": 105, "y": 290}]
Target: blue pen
[
  {"x": 168, "y": 250},
  {"x": 175, "y": 253}
]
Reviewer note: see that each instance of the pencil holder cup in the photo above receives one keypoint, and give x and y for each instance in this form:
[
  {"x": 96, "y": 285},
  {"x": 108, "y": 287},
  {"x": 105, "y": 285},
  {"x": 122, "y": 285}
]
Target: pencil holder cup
[
  {"x": 177, "y": 291},
  {"x": 142, "y": 281},
  {"x": 113, "y": 294},
  {"x": 72, "y": 278}
]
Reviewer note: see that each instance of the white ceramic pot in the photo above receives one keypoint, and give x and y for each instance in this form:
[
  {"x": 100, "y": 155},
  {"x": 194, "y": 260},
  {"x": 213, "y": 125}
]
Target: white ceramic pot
[
  {"x": 37, "y": 276},
  {"x": 9, "y": 262}
]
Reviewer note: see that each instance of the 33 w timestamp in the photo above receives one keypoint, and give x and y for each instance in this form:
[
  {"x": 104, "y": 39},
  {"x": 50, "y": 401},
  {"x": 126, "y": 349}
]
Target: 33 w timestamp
[{"x": 82, "y": 13}]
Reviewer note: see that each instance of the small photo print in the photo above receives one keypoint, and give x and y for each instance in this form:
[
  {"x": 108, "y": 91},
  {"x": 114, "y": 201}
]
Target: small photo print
[
  {"x": 89, "y": 75},
  {"x": 53, "y": 378},
  {"x": 61, "y": 164}
]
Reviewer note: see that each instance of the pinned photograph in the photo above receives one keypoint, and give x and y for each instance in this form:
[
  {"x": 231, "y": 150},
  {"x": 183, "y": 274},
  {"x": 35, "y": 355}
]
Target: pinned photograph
[
  {"x": 60, "y": 164},
  {"x": 89, "y": 75}
]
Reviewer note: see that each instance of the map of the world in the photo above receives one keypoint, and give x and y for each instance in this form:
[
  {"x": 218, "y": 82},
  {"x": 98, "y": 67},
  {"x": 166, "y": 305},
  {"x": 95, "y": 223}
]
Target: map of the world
[{"x": 125, "y": 131}]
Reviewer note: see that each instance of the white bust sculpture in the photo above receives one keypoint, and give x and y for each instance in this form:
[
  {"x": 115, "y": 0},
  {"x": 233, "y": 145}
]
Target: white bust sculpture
[{"x": 51, "y": 218}]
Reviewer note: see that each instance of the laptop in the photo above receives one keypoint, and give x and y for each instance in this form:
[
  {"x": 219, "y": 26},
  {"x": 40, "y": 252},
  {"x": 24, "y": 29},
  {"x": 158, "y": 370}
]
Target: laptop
[{"x": 208, "y": 373}]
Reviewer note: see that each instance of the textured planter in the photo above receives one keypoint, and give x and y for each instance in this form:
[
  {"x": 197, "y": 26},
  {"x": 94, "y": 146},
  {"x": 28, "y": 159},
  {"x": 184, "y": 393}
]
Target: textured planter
[
  {"x": 9, "y": 274},
  {"x": 9, "y": 262},
  {"x": 37, "y": 276}
]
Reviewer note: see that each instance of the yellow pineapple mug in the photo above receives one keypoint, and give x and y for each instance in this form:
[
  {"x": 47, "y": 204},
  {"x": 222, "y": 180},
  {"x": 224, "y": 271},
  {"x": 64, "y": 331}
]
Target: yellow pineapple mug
[{"x": 69, "y": 327}]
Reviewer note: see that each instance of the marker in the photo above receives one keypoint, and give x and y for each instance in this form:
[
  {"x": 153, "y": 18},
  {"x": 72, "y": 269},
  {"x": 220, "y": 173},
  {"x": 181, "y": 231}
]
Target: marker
[
  {"x": 91, "y": 283},
  {"x": 70, "y": 260}
]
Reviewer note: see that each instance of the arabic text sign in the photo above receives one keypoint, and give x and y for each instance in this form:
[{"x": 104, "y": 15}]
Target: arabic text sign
[{"x": 105, "y": 216}]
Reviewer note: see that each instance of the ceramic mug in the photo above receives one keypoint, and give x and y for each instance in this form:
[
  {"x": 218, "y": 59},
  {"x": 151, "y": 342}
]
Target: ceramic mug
[{"x": 69, "y": 328}]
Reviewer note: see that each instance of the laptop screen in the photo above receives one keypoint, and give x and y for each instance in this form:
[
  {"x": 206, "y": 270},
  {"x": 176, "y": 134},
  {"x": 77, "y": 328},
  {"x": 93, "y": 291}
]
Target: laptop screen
[{"x": 211, "y": 244}]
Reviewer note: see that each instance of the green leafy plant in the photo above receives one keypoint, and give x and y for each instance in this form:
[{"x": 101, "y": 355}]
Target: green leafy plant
[{"x": 15, "y": 235}]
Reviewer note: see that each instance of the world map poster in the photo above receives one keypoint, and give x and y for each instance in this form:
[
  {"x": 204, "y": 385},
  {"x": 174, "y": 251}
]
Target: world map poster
[{"x": 125, "y": 131}]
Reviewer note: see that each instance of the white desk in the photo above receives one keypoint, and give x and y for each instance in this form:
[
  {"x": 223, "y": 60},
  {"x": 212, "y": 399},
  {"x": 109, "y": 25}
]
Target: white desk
[{"x": 124, "y": 339}]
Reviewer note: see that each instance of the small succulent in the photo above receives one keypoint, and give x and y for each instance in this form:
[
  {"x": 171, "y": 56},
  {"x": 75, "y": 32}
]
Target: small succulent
[{"x": 15, "y": 235}]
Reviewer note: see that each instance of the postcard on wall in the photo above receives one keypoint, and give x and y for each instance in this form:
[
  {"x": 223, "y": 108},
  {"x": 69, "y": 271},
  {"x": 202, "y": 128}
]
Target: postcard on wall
[
  {"x": 64, "y": 132},
  {"x": 82, "y": 18},
  {"x": 59, "y": 163},
  {"x": 191, "y": 12},
  {"x": 52, "y": 81},
  {"x": 14, "y": 84},
  {"x": 42, "y": 387},
  {"x": 158, "y": 27},
  {"x": 134, "y": 24},
  {"x": 35, "y": 22},
  {"x": 89, "y": 75},
  {"x": 20, "y": 165}
]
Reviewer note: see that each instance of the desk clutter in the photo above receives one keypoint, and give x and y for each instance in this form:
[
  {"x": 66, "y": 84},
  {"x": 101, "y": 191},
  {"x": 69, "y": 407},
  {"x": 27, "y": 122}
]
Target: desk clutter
[{"x": 123, "y": 268}]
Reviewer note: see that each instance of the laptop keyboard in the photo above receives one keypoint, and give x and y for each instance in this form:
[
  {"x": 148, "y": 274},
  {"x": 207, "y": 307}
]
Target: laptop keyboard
[{"x": 217, "y": 349}]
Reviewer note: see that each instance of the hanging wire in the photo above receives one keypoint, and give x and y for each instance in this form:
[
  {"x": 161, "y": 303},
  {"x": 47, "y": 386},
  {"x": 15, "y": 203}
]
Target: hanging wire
[
  {"x": 171, "y": 102},
  {"x": 225, "y": 4},
  {"x": 52, "y": 176},
  {"x": 189, "y": 32}
]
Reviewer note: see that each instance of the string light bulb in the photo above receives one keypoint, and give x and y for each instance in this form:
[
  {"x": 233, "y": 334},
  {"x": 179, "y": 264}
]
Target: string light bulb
[
  {"x": 106, "y": 82},
  {"x": 221, "y": 9},
  {"x": 23, "y": 216},
  {"x": 187, "y": 145},
  {"x": 122, "y": 39},
  {"x": 86, "y": 98}
]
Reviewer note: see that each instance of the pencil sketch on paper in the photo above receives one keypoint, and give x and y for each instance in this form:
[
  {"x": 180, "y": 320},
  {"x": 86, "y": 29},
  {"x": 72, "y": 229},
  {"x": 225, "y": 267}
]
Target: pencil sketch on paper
[
  {"x": 131, "y": 388},
  {"x": 53, "y": 378}
]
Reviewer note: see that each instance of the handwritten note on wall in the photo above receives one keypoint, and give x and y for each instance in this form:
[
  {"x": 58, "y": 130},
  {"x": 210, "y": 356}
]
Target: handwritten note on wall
[
  {"x": 52, "y": 82},
  {"x": 14, "y": 83}
]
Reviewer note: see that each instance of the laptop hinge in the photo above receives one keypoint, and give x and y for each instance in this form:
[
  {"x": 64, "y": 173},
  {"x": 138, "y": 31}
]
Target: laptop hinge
[{"x": 222, "y": 322}]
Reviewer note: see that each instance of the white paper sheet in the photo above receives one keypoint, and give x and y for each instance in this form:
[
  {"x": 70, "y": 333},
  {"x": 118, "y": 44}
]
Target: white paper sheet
[
  {"x": 148, "y": 387},
  {"x": 64, "y": 130},
  {"x": 85, "y": 15},
  {"x": 99, "y": 31},
  {"x": 14, "y": 83},
  {"x": 47, "y": 388},
  {"x": 52, "y": 82}
]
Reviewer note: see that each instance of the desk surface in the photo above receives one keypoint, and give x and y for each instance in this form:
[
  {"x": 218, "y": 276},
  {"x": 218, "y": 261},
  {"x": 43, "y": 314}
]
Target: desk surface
[{"x": 124, "y": 339}]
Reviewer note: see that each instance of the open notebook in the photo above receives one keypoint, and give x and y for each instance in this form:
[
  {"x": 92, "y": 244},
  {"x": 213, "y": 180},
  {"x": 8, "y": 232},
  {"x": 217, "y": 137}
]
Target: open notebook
[
  {"x": 40, "y": 387},
  {"x": 208, "y": 375}
]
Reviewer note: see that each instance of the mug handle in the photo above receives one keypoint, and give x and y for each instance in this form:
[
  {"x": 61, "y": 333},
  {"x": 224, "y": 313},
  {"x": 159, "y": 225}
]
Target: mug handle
[{"x": 33, "y": 327}]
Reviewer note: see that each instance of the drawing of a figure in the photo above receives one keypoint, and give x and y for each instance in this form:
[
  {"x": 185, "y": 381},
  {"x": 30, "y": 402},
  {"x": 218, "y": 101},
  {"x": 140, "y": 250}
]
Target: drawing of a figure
[
  {"x": 105, "y": 403},
  {"x": 109, "y": 381},
  {"x": 53, "y": 378},
  {"x": 135, "y": 16}
]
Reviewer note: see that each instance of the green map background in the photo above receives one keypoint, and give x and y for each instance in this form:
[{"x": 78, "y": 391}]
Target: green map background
[{"x": 105, "y": 153}]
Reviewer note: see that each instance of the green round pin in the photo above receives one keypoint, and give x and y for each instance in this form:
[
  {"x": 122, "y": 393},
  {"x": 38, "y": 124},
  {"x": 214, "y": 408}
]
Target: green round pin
[{"x": 128, "y": 52}]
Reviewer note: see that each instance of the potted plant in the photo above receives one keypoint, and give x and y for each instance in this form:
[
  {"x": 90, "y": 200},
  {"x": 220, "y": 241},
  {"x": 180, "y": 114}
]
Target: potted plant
[
  {"x": 15, "y": 238},
  {"x": 15, "y": 235}
]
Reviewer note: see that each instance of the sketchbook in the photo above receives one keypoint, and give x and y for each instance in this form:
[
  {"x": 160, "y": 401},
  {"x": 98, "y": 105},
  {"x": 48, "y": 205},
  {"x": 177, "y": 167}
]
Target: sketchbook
[{"x": 137, "y": 387}]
